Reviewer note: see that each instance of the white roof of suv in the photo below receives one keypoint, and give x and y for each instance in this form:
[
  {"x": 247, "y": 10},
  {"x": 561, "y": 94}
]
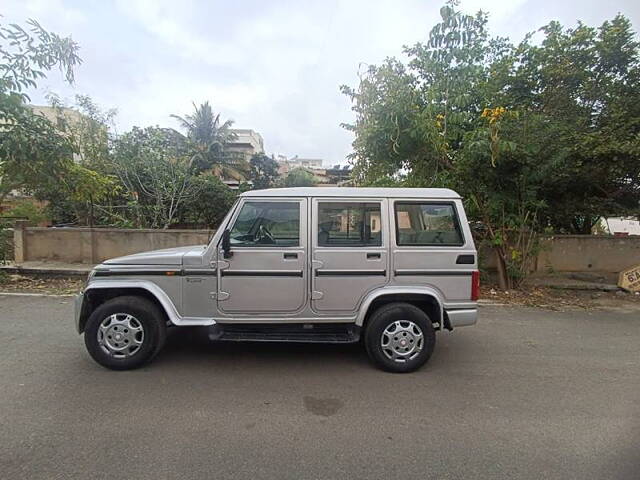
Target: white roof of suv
[{"x": 354, "y": 192}]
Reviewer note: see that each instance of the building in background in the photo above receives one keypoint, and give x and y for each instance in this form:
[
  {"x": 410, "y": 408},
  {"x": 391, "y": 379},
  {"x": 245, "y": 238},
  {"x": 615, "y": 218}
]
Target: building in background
[
  {"x": 285, "y": 165},
  {"x": 312, "y": 165},
  {"x": 58, "y": 115},
  {"x": 248, "y": 142},
  {"x": 620, "y": 226},
  {"x": 336, "y": 176}
]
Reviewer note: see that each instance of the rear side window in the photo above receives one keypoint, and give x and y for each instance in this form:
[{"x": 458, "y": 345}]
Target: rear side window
[
  {"x": 427, "y": 224},
  {"x": 349, "y": 224}
]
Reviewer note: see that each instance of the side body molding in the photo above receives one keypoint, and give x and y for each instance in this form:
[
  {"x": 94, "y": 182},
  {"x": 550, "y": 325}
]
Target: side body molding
[
  {"x": 399, "y": 290},
  {"x": 158, "y": 293}
]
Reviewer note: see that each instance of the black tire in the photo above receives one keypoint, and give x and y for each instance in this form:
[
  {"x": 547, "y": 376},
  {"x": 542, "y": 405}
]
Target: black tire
[
  {"x": 154, "y": 325},
  {"x": 386, "y": 316}
]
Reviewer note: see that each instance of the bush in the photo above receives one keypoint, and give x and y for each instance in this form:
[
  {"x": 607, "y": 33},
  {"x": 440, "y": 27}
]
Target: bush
[
  {"x": 6, "y": 242},
  {"x": 209, "y": 206},
  {"x": 29, "y": 211}
]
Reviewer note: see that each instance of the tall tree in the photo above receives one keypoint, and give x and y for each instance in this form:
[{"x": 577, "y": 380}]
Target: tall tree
[
  {"x": 535, "y": 136},
  {"x": 32, "y": 151},
  {"x": 208, "y": 137}
]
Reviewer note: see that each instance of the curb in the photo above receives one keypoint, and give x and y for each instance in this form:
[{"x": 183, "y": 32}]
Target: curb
[
  {"x": 59, "y": 272},
  {"x": 29, "y": 294}
]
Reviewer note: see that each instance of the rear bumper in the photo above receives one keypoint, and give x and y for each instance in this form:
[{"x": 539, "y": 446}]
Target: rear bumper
[
  {"x": 462, "y": 317},
  {"x": 77, "y": 310}
]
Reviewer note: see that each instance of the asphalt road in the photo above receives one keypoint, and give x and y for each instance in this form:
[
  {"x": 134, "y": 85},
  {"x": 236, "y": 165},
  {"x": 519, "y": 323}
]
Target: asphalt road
[{"x": 524, "y": 394}]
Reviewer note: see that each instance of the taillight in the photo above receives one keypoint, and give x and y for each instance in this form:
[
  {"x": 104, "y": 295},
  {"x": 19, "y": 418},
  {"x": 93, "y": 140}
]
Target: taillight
[{"x": 475, "y": 285}]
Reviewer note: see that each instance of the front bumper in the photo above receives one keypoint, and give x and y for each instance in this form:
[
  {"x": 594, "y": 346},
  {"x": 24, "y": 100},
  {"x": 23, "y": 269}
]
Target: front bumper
[
  {"x": 77, "y": 310},
  {"x": 462, "y": 317}
]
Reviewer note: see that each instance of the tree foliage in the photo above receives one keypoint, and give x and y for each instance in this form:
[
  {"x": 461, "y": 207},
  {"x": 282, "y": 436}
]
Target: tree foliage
[
  {"x": 207, "y": 137},
  {"x": 264, "y": 171},
  {"x": 299, "y": 177},
  {"x": 155, "y": 170},
  {"x": 535, "y": 136},
  {"x": 32, "y": 151},
  {"x": 208, "y": 208}
]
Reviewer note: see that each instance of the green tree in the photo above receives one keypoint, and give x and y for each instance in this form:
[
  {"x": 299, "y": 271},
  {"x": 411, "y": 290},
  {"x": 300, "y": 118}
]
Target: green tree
[
  {"x": 209, "y": 206},
  {"x": 155, "y": 171},
  {"x": 299, "y": 177},
  {"x": 88, "y": 181},
  {"x": 264, "y": 171},
  {"x": 27, "y": 210},
  {"x": 533, "y": 136},
  {"x": 32, "y": 151},
  {"x": 208, "y": 137}
]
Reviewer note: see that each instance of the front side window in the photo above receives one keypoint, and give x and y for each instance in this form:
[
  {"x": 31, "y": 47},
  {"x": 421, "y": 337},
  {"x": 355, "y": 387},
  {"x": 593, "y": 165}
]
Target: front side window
[
  {"x": 427, "y": 224},
  {"x": 349, "y": 224},
  {"x": 271, "y": 224}
]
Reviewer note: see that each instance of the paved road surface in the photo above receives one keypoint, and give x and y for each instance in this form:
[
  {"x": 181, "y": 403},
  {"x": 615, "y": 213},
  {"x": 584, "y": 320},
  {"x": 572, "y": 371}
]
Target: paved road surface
[{"x": 524, "y": 394}]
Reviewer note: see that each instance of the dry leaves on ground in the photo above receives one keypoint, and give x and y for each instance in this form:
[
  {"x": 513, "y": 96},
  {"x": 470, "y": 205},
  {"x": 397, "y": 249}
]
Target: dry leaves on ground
[
  {"x": 15, "y": 283},
  {"x": 559, "y": 299}
]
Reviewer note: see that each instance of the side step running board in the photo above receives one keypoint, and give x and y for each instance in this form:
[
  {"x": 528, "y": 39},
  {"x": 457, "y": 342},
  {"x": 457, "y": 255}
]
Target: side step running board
[{"x": 302, "y": 333}]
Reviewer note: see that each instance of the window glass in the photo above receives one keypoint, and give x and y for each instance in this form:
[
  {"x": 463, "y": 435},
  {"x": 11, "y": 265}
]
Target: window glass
[
  {"x": 349, "y": 224},
  {"x": 427, "y": 224},
  {"x": 267, "y": 224}
]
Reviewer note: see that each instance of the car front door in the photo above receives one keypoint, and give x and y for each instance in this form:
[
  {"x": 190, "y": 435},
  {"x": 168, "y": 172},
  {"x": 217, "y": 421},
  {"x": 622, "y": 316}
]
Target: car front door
[
  {"x": 265, "y": 272},
  {"x": 349, "y": 242}
]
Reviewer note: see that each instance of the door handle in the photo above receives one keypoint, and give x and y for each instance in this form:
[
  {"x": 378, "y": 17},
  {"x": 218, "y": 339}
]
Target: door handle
[
  {"x": 290, "y": 256},
  {"x": 372, "y": 255}
]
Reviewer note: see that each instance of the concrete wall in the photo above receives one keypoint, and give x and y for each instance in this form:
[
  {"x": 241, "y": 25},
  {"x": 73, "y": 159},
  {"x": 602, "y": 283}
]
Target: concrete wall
[
  {"x": 588, "y": 253},
  {"x": 560, "y": 253},
  {"x": 86, "y": 245}
]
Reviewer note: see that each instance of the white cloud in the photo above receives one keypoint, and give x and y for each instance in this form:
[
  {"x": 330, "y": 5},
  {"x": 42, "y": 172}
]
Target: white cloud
[{"x": 273, "y": 66}]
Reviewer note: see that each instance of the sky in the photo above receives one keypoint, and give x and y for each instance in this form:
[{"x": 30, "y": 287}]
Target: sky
[{"x": 274, "y": 66}]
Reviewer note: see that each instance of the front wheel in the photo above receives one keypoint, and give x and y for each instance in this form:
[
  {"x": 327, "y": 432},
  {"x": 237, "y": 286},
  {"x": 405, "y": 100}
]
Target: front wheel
[
  {"x": 125, "y": 332},
  {"x": 399, "y": 337}
]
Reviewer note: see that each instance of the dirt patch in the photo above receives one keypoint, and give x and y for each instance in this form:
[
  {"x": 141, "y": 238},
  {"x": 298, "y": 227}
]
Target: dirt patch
[
  {"x": 324, "y": 407},
  {"x": 560, "y": 299},
  {"x": 14, "y": 283}
]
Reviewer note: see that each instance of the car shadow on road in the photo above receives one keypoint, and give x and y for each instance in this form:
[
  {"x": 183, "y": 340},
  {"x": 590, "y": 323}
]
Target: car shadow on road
[{"x": 188, "y": 347}]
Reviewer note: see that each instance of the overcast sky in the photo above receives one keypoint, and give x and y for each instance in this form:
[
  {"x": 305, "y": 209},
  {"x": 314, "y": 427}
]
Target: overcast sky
[{"x": 273, "y": 66}]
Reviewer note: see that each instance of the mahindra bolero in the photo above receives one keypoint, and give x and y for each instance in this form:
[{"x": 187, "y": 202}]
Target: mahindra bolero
[{"x": 386, "y": 266}]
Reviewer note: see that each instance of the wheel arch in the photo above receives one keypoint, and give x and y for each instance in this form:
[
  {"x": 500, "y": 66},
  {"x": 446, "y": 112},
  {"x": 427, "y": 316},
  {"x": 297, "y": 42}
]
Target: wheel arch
[
  {"x": 427, "y": 299},
  {"x": 98, "y": 293}
]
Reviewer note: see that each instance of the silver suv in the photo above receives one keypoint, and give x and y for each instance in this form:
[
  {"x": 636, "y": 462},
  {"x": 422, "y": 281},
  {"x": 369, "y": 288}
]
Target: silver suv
[{"x": 390, "y": 266}]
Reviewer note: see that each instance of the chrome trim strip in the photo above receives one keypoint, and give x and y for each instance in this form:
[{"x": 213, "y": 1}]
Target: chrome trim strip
[
  {"x": 148, "y": 272},
  {"x": 261, "y": 273},
  {"x": 434, "y": 273},
  {"x": 351, "y": 273}
]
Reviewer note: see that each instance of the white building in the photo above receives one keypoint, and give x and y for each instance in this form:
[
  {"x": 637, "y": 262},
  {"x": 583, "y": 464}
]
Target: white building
[
  {"x": 620, "y": 225},
  {"x": 285, "y": 165}
]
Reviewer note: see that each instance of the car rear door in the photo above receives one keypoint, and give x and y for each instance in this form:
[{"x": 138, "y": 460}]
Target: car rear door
[{"x": 349, "y": 251}]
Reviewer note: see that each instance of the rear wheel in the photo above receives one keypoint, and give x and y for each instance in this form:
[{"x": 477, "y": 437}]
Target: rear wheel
[
  {"x": 399, "y": 337},
  {"x": 125, "y": 332}
]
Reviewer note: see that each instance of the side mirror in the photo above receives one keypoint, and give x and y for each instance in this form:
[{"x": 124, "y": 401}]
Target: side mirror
[{"x": 226, "y": 244}]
